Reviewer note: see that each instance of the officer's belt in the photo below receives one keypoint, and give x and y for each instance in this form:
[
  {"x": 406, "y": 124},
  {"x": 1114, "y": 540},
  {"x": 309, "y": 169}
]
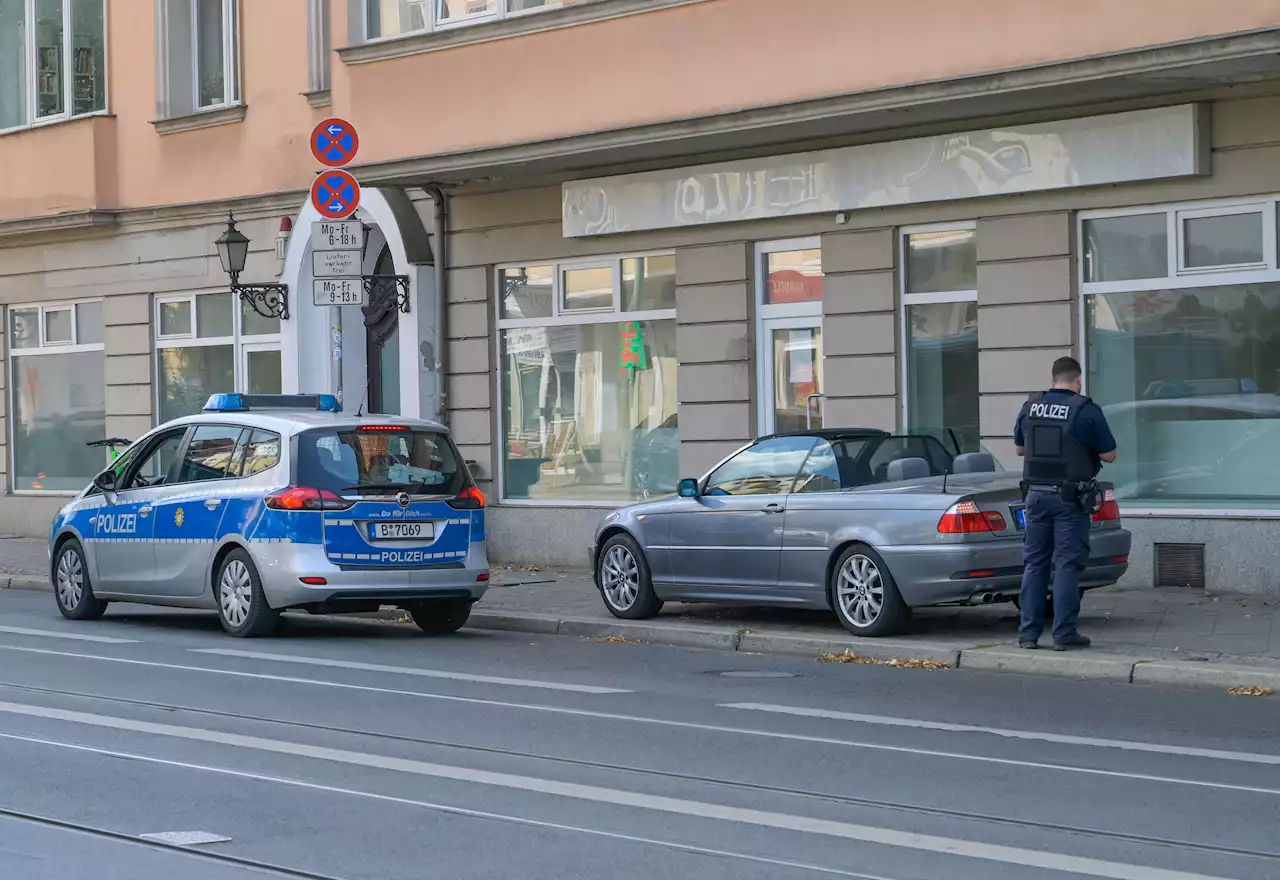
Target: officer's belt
[{"x": 1044, "y": 487}]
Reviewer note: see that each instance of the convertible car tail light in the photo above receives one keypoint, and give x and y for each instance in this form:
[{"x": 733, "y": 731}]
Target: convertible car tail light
[
  {"x": 1110, "y": 509},
  {"x": 965, "y": 518},
  {"x": 304, "y": 498}
]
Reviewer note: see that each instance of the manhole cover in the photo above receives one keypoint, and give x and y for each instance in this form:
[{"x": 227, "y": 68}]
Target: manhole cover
[{"x": 753, "y": 674}]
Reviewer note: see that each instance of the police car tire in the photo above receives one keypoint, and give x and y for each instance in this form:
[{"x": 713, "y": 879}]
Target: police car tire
[
  {"x": 262, "y": 619},
  {"x": 439, "y": 617},
  {"x": 88, "y": 606},
  {"x": 894, "y": 611}
]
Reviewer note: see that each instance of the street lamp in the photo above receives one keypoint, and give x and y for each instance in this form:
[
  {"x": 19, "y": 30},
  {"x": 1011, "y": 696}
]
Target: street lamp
[{"x": 268, "y": 300}]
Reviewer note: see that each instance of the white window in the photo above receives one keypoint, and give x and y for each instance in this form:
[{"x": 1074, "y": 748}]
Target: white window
[
  {"x": 215, "y": 38},
  {"x": 53, "y": 63},
  {"x": 940, "y": 333},
  {"x": 395, "y": 18},
  {"x": 1181, "y": 328},
  {"x": 210, "y": 343},
  {"x": 58, "y": 395},
  {"x": 789, "y": 341},
  {"x": 587, "y": 364}
]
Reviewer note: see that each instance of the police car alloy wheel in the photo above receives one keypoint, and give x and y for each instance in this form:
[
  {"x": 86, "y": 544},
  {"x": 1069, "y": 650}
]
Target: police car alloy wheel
[
  {"x": 864, "y": 594},
  {"x": 622, "y": 573},
  {"x": 71, "y": 586},
  {"x": 242, "y": 608}
]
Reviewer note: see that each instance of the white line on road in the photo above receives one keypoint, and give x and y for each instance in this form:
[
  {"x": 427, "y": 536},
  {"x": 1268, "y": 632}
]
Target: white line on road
[
  {"x": 55, "y": 634},
  {"x": 409, "y": 670},
  {"x": 1061, "y": 739},
  {"x": 455, "y": 811},
  {"x": 664, "y": 722},
  {"x": 618, "y": 797}
]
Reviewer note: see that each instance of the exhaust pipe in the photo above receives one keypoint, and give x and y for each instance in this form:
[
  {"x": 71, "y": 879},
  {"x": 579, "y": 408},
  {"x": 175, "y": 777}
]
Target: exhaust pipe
[{"x": 982, "y": 598}]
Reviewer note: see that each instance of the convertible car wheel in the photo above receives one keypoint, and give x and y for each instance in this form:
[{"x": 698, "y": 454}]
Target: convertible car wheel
[{"x": 864, "y": 595}]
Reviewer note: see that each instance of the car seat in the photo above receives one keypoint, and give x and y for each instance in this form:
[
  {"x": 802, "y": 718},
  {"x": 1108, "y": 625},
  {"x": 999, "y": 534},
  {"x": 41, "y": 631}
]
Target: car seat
[
  {"x": 974, "y": 463},
  {"x": 901, "y": 469}
]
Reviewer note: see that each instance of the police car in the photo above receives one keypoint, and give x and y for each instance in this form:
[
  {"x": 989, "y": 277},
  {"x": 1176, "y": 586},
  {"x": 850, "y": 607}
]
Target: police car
[{"x": 264, "y": 503}]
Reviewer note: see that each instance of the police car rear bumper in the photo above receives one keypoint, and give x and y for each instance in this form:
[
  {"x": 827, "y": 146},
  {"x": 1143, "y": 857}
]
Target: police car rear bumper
[
  {"x": 282, "y": 567},
  {"x": 963, "y": 573}
]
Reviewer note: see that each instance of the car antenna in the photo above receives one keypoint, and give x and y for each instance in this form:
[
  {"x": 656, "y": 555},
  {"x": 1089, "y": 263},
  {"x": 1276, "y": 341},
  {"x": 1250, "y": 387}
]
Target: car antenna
[
  {"x": 945, "y": 474},
  {"x": 363, "y": 398}
]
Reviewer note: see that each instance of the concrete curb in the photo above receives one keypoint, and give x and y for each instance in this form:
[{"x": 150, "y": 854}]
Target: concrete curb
[
  {"x": 813, "y": 646},
  {"x": 1211, "y": 675},
  {"x": 25, "y": 582},
  {"x": 1065, "y": 664}
]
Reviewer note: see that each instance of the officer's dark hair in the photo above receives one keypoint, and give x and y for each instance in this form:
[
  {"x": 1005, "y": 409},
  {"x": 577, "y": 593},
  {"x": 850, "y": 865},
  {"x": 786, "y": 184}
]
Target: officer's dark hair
[{"x": 1066, "y": 369}]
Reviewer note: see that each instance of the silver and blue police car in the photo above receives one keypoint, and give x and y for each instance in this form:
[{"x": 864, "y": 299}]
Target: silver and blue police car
[{"x": 265, "y": 503}]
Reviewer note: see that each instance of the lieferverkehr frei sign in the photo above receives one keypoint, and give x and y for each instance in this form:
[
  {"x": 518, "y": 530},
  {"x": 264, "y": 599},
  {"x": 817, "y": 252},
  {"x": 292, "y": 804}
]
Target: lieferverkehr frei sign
[{"x": 337, "y": 247}]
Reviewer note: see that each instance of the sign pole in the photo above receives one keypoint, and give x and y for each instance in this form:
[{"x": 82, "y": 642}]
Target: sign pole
[{"x": 335, "y": 350}]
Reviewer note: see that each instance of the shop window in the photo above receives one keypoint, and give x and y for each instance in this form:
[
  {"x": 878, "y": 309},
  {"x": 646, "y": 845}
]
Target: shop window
[
  {"x": 1186, "y": 366},
  {"x": 58, "y": 395},
  {"x": 588, "y": 394},
  {"x": 940, "y": 332},
  {"x": 211, "y": 343},
  {"x": 1125, "y": 248},
  {"x": 789, "y": 334},
  {"x": 52, "y": 60},
  {"x": 395, "y": 18}
]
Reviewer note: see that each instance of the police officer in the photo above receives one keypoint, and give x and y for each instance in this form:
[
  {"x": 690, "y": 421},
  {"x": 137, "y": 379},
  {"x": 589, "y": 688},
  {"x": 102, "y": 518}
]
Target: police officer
[{"x": 1063, "y": 438}]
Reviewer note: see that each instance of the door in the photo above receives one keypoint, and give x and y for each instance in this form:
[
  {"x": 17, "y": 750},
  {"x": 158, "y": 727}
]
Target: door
[
  {"x": 728, "y": 541},
  {"x": 792, "y": 375},
  {"x": 189, "y": 510},
  {"x": 122, "y": 546},
  {"x": 382, "y": 337}
]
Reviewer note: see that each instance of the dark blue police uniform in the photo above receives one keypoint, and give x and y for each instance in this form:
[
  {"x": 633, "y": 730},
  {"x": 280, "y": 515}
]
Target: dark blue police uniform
[{"x": 1062, "y": 434}]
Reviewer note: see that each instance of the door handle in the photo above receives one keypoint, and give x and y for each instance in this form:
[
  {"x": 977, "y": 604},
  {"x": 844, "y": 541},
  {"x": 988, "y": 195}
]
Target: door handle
[
  {"x": 773, "y": 508},
  {"x": 145, "y": 510},
  {"x": 212, "y": 503}
]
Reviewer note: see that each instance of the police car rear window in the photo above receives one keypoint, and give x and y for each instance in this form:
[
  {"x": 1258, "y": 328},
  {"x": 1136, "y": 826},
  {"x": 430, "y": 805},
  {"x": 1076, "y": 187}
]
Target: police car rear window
[{"x": 380, "y": 460}]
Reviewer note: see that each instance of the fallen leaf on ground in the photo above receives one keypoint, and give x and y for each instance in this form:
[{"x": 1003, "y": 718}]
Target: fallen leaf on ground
[
  {"x": 1249, "y": 691},
  {"x": 621, "y": 640},
  {"x": 896, "y": 662}
]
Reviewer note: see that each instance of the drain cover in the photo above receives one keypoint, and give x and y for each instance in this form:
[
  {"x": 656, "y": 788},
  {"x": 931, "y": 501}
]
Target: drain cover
[
  {"x": 185, "y": 838},
  {"x": 754, "y": 674}
]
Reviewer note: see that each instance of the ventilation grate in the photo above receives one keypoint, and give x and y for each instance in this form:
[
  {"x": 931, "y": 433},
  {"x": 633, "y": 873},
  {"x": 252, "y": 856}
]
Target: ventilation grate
[{"x": 1180, "y": 565}]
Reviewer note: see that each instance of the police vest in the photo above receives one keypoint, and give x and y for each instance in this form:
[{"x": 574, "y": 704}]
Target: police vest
[{"x": 1053, "y": 454}]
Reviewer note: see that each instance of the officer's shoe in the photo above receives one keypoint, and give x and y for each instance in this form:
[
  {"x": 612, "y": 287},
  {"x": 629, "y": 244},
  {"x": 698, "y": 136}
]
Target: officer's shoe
[
  {"x": 1071, "y": 642},
  {"x": 1028, "y": 644}
]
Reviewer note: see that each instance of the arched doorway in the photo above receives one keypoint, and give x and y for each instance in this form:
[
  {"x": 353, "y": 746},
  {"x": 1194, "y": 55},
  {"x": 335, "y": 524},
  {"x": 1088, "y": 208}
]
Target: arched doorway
[{"x": 382, "y": 339}]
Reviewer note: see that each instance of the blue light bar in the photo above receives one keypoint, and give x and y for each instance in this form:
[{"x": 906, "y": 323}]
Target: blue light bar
[{"x": 245, "y": 402}]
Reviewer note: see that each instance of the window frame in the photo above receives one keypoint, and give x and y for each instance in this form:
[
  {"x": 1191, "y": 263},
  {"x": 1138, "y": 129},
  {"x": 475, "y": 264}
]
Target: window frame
[
  {"x": 907, "y": 299},
  {"x": 778, "y": 316},
  {"x": 559, "y": 318},
  {"x": 30, "y": 64},
  {"x": 12, "y": 354},
  {"x": 230, "y": 58},
  {"x": 238, "y": 340},
  {"x": 1178, "y": 278},
  {"x": 434, "y": 22},
  {"x": 1268, "y": 235}
]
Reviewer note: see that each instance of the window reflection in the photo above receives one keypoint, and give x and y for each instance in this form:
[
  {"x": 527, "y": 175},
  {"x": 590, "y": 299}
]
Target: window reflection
[{"x": 942, "y": 371}]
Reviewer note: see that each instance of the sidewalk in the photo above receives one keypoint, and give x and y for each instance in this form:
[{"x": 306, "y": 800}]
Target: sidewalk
[{"x": 1179, "y": 637}]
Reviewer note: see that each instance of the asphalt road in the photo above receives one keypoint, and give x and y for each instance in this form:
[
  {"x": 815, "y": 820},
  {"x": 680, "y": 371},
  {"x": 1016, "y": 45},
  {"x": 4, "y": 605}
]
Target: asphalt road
[{"x": 351, "y": 749}]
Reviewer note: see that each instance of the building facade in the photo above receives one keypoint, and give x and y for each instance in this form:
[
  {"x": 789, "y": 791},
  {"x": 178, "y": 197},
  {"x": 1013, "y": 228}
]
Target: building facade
[{"x": 628, "y": 236}]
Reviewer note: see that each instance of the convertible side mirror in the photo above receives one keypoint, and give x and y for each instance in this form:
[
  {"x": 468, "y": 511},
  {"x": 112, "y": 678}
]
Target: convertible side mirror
[
  {"x": 106, "y": 481},
  {"x": 688, "y": 488}
]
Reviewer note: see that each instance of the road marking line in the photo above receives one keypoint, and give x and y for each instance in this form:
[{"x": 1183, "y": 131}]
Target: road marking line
[
  {"x": 407, "y": 670},
  {"x": 618, "y": 797},
  {"x": 664, "y": 722},
  {"x": 1062, "y": 739},
  {"x": 445, "y": 808},
  {"x": 55, "y": 634}
]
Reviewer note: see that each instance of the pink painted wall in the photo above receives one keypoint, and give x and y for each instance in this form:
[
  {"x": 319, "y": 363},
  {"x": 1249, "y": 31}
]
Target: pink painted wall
[{"x": 689, "y": 61}]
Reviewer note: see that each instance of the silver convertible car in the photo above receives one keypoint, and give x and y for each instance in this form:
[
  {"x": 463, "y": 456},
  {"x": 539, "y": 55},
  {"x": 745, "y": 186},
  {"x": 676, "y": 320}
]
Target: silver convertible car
[{"x": 865, "y": 523}]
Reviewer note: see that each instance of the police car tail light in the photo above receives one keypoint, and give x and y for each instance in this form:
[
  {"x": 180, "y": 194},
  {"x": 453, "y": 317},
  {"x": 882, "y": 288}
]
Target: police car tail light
[
  {"x": 1110, "y": 509},
  {"x": 965, "y": 518},
  {"x": 469, "y": 498},
  {"x": 304, "y": 498}
]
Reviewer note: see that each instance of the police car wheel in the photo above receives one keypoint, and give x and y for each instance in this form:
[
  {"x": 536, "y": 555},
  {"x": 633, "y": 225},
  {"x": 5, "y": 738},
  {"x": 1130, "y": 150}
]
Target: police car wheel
[
  {"x": 622, "y": 574},
  {"x": 242, "y": 608},
  {"x": 440, "y": 617},
  {"x": 71, "y": 587},
  {"x": 864, "y": 594}
]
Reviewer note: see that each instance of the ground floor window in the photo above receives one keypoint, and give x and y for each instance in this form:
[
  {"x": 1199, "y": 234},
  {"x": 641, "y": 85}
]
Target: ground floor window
[
  {"x": 588, "y": 380},
  {"x": 210, "y": 343},
  {"x": 58, "y": 395},
  {"x": 1184, "y": 359},
  {"x": 940, "y": 333}
]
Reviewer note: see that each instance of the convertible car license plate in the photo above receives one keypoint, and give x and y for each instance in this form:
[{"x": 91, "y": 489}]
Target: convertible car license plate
[
  {"x": 402, "y": 531},
  {"x": 1020, "y": 517}
]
